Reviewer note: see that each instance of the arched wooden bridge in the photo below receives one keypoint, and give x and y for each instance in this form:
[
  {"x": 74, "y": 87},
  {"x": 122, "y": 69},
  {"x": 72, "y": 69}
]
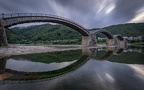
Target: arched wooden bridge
[{"x": 88, "y": 37}]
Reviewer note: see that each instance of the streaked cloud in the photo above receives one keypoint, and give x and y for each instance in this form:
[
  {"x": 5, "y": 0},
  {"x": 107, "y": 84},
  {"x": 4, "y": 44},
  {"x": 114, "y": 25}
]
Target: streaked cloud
[
  {"x": 139, "y": 16},
  {"x": 89, "y": 13},
  {"x": 110, "y": 9}
]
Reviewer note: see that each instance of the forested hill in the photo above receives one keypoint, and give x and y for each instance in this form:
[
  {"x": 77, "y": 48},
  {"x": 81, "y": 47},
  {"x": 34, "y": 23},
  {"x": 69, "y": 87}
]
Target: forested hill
[
  {"x": 48, "y": 33},
  {"x": 45, "y": 33},
  {"x": 131, "y": 29}
]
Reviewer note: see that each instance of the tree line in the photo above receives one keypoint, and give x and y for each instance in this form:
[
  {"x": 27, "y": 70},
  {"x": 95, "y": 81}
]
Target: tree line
[{"x": 60, "y": 34}]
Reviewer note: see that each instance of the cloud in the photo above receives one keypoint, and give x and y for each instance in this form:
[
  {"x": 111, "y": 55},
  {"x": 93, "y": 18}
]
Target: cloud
[
  {"x": 110, "y": 9},
  {"x": 89, "y": 13},
  {"x": 139, "y": 16}
]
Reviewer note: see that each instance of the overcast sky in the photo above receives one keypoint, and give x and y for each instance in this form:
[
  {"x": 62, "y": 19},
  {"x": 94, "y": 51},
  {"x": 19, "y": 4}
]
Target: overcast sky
[{"x": 89, "y": 13}]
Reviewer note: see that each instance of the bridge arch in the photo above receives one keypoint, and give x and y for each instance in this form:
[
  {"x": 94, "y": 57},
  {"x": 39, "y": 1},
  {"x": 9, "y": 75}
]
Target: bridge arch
[
  {"x": 120, "y": 41},
  {"x": 119, "y": 37},
  {"x": 9, "y": 20},
  {"x": 110, "y": 38},
  {"x": 105, "y": 32}
]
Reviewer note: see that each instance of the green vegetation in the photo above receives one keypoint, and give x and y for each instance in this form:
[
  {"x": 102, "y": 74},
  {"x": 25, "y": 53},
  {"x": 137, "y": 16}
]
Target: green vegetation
[
  {"x": 101, "y": 42},
  {"x": 13, "y": 37},
  {"x": 60, "y": 34},
  {"x": 131, "y": 29},
  {"x": 44, "y": 34}
]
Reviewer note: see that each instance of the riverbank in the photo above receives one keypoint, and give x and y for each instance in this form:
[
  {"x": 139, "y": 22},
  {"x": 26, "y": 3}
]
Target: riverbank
[{"x": 28, "y": 49}]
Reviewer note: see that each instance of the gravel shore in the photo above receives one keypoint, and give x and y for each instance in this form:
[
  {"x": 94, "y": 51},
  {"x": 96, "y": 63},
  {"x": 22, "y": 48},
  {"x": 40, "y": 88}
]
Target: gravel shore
[{"x": 27, "y": 49}]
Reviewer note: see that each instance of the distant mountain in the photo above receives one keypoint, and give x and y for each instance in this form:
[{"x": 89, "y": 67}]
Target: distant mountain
[{"x": 60, "y": 34}]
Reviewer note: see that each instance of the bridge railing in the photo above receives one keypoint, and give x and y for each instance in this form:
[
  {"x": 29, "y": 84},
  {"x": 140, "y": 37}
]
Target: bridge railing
[
  {"x": 37, "y": 14},
  {"x": 29, "y": 14},
  {"x": 23, "y": 14}
]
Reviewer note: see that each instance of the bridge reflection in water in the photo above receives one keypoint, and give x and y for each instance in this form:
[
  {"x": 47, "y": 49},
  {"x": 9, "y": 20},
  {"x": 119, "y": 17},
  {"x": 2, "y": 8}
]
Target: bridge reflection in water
[{"x": 10, "y": 76}]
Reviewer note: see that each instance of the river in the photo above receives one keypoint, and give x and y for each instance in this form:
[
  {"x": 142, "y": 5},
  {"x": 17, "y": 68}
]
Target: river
[{"x": 105, "y": 68}]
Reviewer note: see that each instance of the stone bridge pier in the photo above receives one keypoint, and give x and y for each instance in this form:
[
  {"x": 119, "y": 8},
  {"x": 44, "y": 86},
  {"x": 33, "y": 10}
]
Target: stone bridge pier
[
  {"x": 86, "y": 41},
  {"x": 120, "y": 41},
  {"x": 3, "y": 38},
  {"x": 110, "y": 42},
  {"x": 122, "y": 44}
]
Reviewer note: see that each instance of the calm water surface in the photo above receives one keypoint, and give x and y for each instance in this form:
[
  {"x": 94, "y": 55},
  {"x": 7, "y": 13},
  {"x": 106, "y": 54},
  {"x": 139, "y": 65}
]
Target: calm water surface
[{"x": 89, "y": 69}]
